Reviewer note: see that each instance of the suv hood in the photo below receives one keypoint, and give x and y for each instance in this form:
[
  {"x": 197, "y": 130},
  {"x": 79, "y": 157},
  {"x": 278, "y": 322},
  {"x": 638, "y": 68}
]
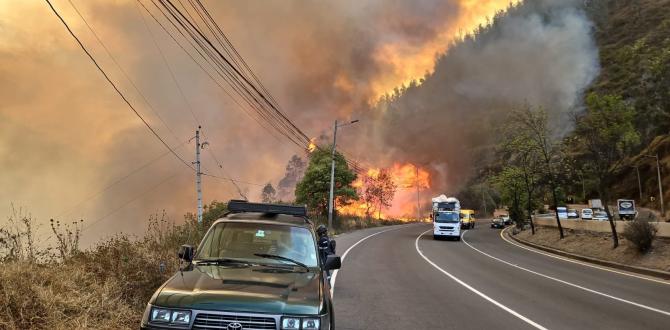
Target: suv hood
[{"x": 243, "y": 289}]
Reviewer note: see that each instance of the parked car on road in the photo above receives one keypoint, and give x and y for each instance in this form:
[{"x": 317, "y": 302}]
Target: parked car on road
[
  {"x": 258, "y": 267},
  {"x": 587, "y": 214},
  {"x": 506, "y": 219},
  {"x": 498, "y": 223},
  {"x": 573, "y": 214},
  {"x": 600, "y": 216}
]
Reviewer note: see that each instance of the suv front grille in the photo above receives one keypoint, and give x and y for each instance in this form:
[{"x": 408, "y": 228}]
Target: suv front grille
[{"x": 216, "y": 321}]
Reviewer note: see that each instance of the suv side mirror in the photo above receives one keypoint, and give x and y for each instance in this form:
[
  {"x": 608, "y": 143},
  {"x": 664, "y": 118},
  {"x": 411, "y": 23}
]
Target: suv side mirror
[
  {"x": 333, "y": 245},
  {"x": 332, "y": 262},
  {"x": 186, "y": 252}
]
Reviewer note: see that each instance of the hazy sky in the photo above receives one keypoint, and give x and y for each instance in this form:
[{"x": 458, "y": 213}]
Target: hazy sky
[{"x": 65, "y": 134}]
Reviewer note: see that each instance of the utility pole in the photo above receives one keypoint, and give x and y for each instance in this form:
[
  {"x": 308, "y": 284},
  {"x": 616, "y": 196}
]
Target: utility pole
[
  {"x": 581, "y": 176},
  {"x": 660, "y": 185},
  {"x": 198, "y": 174},
  {"x": 332, "y": 172},
  {"x": 418, "y": 200},
  {"x": 639, "y": 182},
  {"x": 484, "y": 201},
  {"x": 332, "y": 178}
]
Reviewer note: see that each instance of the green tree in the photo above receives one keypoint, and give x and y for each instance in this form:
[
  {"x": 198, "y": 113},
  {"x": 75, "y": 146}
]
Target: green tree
[
  {"x": 519, "y": 150},
  {"x": 314, "y": 188},
  {"x": 269, "y": 194},
  {"x": 606, "y": 135},
  {"x": 538, "y": 139},
  {"x": 510, "y": 183}
]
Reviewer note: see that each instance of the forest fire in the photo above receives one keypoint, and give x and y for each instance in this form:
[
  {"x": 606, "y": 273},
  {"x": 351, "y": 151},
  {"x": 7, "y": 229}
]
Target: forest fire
[
  {"x": 312, "y": 145},
  {"x": 374, "y": 190}
]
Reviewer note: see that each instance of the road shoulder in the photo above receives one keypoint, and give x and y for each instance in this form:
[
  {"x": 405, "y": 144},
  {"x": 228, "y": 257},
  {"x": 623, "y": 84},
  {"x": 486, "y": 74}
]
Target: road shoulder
[{"x": 595, "y": 261}]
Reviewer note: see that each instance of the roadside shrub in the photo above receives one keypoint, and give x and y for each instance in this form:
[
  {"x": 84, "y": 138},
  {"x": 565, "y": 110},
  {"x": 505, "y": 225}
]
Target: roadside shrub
[
  {"x": 67, "y": 237},
  {"x": 641, "y": 233},
  {"x": 17, "y": 238}
]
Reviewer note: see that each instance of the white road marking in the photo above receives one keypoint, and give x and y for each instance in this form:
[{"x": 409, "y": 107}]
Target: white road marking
[
  {"x": 334, "y": 276},
  {"x": 581, "y": 262},
  {"x": 491, "y": 300},
  {"x": 566, "y": 282}
]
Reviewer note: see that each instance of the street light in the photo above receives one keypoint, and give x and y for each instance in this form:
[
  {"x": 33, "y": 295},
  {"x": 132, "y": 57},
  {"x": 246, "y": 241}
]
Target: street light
[
  {"x": 332, "y": 171},
  {"x": 660, "y": 186},
  {"x": 639, "y": 182}
]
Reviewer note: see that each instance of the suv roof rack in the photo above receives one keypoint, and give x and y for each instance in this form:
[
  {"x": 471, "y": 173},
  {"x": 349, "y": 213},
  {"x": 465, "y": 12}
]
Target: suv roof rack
[{"x": 240, "y": 206}]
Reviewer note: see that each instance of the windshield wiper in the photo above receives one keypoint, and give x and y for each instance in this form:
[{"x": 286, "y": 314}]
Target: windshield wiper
[
  {"x": 221, "y": 261},
  {"x": 278, "y": 257}
]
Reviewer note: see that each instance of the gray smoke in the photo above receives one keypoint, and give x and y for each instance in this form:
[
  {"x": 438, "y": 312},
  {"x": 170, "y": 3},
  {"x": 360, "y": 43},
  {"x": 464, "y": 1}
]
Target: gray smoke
[{"x": 541, "y": 52}]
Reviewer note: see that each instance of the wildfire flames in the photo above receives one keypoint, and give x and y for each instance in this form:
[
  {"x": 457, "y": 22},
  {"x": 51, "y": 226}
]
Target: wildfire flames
[
  {"x": 312, "y": 145},
  {"x": 407, "y": 178}
]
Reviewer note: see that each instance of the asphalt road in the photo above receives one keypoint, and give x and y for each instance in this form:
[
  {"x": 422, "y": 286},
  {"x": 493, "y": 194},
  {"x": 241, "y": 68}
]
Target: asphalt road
[{"x": 397, "y": 278}]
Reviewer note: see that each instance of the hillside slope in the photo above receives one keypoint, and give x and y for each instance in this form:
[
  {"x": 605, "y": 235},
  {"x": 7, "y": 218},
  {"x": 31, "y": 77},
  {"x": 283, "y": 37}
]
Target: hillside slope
[{"x": 633, "y": 38}]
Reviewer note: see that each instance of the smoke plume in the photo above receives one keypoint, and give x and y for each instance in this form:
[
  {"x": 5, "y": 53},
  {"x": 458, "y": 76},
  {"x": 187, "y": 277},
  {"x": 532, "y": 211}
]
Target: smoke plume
[
  {"x": 540, "y": 52},
  {"x": 65, "y": 135}
]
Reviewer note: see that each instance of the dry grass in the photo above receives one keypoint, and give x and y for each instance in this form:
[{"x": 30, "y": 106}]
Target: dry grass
[
  {"x": 106, "y": 287},
  {"x": 599, "y": 245},
  {"x": 60, "y": 296}
]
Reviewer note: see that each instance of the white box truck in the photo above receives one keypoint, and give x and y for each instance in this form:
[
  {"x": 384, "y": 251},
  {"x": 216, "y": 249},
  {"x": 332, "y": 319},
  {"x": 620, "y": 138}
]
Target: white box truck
[
  {"x": 446, "y": 217},
  {"x": 626, "y": 209}
]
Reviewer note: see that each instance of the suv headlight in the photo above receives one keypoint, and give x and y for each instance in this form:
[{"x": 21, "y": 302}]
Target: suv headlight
[
  {"x": 181, "y": 317},
  {"x": 290, "y": 323},
  {"x": 310, "y": 324},
  {"x": 169, "y": 316},
  {"x": 300, "y": 323},
  {"x": 160, "y": 315}
]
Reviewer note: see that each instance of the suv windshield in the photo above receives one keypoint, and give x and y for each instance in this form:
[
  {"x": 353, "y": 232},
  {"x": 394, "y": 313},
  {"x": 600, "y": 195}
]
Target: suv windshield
[
  {"x": 447, "y": 217},
  {"x": 243, "y": 241}
]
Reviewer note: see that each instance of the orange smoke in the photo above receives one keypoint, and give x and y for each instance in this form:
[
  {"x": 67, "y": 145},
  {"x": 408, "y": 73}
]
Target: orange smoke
[{"x": 407, "y": 177}]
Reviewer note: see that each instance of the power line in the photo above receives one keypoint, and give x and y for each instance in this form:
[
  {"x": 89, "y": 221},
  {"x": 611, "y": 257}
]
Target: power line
[
  {"x": 115, "y": 87},
  {"x": 169, "y": 68},
  {"x": 125, "y": 74},
  {"x": 115, "y": 182},
  {"x": 239, "y": 81},
  {"x": 273, "y": 104},
  {"x": 188, "y": 105},
  {"x": 136, "y": 197},
  {"x": 165, "y": 29}
]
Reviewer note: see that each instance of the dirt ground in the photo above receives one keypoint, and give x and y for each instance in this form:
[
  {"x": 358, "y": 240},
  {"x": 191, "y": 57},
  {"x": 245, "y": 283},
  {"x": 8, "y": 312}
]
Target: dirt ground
[{"x": 599, "y": 245}]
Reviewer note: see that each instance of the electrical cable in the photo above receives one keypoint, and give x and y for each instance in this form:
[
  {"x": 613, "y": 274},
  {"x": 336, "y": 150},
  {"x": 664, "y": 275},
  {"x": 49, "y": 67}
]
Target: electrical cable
[{"x": 115, "y": 87}]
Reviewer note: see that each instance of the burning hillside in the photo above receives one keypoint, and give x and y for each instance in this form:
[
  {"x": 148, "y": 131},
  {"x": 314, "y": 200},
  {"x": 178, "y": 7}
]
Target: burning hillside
[{"x": 389, "y": 193}]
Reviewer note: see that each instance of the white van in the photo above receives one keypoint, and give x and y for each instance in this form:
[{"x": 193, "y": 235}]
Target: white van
[{"x": 447, "y": 224}]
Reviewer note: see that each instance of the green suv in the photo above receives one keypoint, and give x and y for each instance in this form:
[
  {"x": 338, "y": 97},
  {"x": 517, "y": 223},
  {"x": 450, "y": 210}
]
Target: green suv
[{"x": 258, "y": 267}]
